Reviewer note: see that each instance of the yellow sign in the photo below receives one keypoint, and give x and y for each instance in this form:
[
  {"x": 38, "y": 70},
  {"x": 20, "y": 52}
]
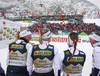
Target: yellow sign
[
  {"x": 67, "y": 53},
  {"x": 35, "y": 47},
  {"x": 35, "y": 38},
  {"x": 42, "y": 52},
  {"x": 76, "y": 58},
  {"x": 17, "y": 46}
]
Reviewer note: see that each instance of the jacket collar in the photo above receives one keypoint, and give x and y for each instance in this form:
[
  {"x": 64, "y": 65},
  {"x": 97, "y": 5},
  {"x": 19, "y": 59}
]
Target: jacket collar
[{"x": 22, "y": 38}]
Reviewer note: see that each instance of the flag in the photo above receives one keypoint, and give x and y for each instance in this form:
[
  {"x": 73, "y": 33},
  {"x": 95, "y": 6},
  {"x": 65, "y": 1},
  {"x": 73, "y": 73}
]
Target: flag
[
  {"x": 48, "y": 12},
  {"x": 30, "y": 13},
  {"x": 4, "y": 14},
  {"x": 45, "y": 12},
  {"x": 27, "y": 13},
  {"x": 23, "y": 13},
  {"x": 15, "y": 14},
  {"x": 40, "y": 12},
  {"x": 84, "y": 13},
  {"x": 68, "y": 12},
  {"x": 18, "y": 14},
  {"x": 59, "y": 12},
  {"x": 98, "y": 12},
  {"x": 34, "y": 13},
  {"x": 62, "y": 12},
  {"x": 56, "y": 12},
  {"x": 71, "y": 12},
  {"x": 65, "y": 12}
]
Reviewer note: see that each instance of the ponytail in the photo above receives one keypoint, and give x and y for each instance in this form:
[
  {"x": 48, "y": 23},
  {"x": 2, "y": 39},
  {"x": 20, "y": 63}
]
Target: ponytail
[
  {"x": 74, "y": 37},
  {"x": 17, "y": 37},
  {"x": 75, "y": 43}
]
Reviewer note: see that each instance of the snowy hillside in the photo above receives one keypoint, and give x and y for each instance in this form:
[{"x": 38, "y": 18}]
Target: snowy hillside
[{"x": 78, "y": 6}]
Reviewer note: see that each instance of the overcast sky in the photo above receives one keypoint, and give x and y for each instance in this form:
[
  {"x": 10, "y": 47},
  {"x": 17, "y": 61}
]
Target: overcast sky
[{"x": 96, "y": 2}]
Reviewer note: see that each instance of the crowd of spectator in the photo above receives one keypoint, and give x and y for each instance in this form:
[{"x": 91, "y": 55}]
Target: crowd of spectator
[{"x": 64, "y": 26}]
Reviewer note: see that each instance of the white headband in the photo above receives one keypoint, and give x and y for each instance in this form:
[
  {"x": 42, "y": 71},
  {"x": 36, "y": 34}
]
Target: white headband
[
  {"x": 46, "y": 35},
  {"x": 69, "y": 41},
  {"x": 25, "y": 33},
  {"x": 95, "y": 37}
]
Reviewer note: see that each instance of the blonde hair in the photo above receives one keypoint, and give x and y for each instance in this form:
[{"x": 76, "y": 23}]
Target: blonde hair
[
  {"x": 32, "y": 43},
  {"x": 43, "y": 32},
  {"x": 17, "y": 37}
]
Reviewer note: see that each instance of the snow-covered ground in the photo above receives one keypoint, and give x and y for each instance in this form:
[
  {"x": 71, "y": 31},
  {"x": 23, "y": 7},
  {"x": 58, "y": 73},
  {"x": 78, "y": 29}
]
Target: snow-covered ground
[{"x": 86, "y": 47}]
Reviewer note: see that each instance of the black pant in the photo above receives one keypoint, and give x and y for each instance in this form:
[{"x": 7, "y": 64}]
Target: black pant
[
  {"x": 17, "y": 71},
  {"x": 2, "y": 74},
  {"x": 95, "y": 71}
]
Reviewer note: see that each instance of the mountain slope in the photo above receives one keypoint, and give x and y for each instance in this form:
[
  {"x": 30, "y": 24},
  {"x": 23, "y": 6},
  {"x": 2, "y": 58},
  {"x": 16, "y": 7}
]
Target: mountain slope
[{"x": 78, "y": 6}]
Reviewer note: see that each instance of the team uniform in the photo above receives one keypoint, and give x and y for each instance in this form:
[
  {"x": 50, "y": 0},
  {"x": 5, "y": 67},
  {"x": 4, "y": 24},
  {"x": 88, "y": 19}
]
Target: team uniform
[
  {"x": 17, "y": 58},
  {"x": 43, "y": 56},
  {"x": 96, "y": 59},
  {"x": 75, "y": 65}
]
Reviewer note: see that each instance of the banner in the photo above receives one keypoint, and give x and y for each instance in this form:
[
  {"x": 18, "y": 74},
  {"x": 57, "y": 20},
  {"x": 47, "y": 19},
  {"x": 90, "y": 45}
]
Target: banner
[
  {"x": 60, "y": 38},
  {"x": 8, "y": 30},
  {"x": 85, "y": 39}
]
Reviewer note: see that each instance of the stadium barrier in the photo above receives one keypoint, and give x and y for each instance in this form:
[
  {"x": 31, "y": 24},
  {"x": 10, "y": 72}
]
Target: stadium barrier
[{"x": 63, "y": 38}]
